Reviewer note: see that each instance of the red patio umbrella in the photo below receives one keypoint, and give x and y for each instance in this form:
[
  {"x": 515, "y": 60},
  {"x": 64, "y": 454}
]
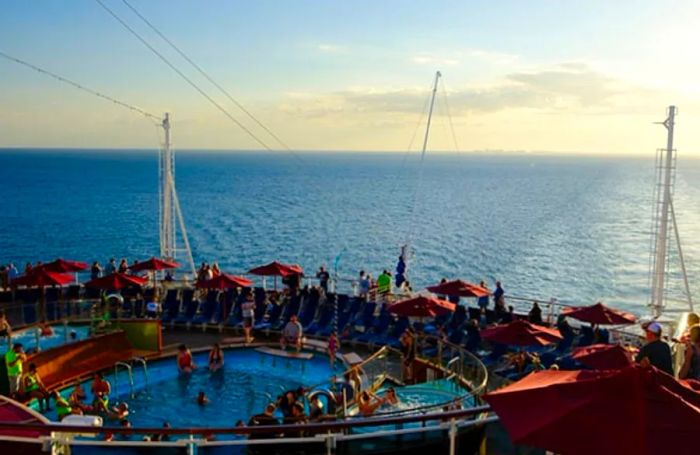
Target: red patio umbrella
[
  {"x": 116, "y": 281},
  {"x": 603, "y": 356},
  {"x": 225, "y": 281},
  {"x": 63, "y": 266},
  {"x": 422, "y": 307},
  {"x": 154, "y": 264},
  {"x": 635, "y": 410},
  {"x": 277, "y": 269},
  {"x": 40, "y": 277},
  {"x": 459, "y": 288},
  {"x": 600, "y": 314},
  {"x": 521, "y": 333}
]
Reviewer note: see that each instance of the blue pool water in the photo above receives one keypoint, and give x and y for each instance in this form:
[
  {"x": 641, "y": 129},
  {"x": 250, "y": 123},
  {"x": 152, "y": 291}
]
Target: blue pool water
[
  {"x": 61, "y": 336},
  {"x": 246, "y": 384}
]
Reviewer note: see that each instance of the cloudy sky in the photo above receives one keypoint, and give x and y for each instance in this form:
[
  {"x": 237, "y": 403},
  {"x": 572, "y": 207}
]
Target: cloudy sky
[{"x": 556, "y": 76}]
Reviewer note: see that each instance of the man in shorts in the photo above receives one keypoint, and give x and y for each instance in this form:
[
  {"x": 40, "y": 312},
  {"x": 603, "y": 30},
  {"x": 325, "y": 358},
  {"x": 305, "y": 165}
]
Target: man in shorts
[
  {"x": 14, "y": 358},
  {"x": 291, "y": 335},
  {"x": 248, "y": 310}
]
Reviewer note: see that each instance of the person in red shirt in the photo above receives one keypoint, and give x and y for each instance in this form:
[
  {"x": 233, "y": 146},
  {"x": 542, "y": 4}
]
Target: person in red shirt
[{"x": 185, "y": 364}]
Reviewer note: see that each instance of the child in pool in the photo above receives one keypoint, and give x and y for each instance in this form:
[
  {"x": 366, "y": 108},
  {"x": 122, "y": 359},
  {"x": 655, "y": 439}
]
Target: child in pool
[
  {"x": 202, "y": 398},
  {"x": 216, "y": 358}
]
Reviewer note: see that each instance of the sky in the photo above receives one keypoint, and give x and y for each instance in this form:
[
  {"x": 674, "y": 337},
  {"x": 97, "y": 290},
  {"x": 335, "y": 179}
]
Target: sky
[{"x": 530, "y": 75}]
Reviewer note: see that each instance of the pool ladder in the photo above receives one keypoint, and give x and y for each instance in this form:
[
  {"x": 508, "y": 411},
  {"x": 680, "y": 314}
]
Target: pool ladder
[
  {"x": 143, "y": 363},
  {"x": 130, "y": 375}
]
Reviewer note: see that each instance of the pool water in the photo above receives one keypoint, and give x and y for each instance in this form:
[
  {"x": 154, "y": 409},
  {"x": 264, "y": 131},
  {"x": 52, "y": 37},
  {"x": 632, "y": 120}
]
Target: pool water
[
  {"x": 61, "y": 336},
  {"x": 248, "y": 381}
]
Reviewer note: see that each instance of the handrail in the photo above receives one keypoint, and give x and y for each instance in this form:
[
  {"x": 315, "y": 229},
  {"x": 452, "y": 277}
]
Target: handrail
[{"x": 277, "y": 429}]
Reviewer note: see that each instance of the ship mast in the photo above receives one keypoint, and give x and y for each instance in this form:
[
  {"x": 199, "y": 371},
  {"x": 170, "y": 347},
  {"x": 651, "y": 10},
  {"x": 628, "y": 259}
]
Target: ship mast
[
  {"x": 169, "y": 206},
  {"x": 402, "y": 266},
  {"x": 665, "y": 218}
]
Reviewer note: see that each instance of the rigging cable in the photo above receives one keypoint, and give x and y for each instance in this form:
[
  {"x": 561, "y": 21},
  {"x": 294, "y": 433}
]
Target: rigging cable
[
  {"x": 206, "y": 76},
  {"x": 80, "y": 86},
  {"x": 449, "y": 116},
  {"x": 183, "y": 76}
]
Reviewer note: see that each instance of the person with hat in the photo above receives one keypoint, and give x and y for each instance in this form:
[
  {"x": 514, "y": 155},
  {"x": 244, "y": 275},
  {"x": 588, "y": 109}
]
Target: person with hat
[{"x": 655, "y": 352}]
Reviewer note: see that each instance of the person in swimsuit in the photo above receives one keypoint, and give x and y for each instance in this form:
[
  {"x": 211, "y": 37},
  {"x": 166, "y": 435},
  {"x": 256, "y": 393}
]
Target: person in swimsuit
[
  {"x": 216, "y": 358},
  {"x": 248, "y": 312},
  {"x": 184, "y": 360},
  {"x": 77, "y": 399},
  {"x": 202, "y": 398},
  {"x": 100, "y": 391},
  {"x": 367, "y": 403},
  {"x": 332, "y": 348}
]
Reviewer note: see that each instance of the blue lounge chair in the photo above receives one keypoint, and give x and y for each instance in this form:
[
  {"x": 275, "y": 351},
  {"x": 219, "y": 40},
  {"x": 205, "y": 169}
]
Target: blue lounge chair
[
  {"x": 188, "y": 311},
  {"x": 207, "y": 309},
  {"x": 323, "y": 321}
]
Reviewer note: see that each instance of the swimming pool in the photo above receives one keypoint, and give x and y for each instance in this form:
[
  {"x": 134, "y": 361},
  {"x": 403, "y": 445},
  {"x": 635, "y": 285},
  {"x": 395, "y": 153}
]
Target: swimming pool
[
  {"x": 248, "y": 381},
  {"x": 61, "y": 335}
]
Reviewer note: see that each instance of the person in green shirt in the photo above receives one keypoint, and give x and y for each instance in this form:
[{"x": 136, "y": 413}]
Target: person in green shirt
[
  {"x": 34, "y": 388},
  {"x": 384, "y": 283},
  {"x": 63, "y": 407},
  {"x": 14, "y": 358}
]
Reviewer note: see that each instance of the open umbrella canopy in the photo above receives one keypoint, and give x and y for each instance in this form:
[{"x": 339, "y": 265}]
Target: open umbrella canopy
[
  {"x": 225, "y": 281},
  {"x": 277, "y": 269},
  {"x": 634, "y": 410},
  {"x": 42, "y": 277},
  {"x": 63, "y": 266},
  {"x": 422, "y": 307},
  {"x": 600, "y": 314},
  {"x": 521, "y": 333},
  {"x": 154, "y": 264},
  {"x": 116, "y": 281},
  {"x": 603, "y": 356},
  {"x": 459, "y": 288}
]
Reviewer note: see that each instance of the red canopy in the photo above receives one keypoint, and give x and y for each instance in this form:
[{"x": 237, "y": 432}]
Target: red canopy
[
  {"x": 225, "y": 281},
  {"x": 521, "y": 333},
  {"x": 42, "y": 277},
  {"x": 459, "y": 288},
  {"x": 600, "y": 314},
  {"x": 63, "y": 266},
  {"x": 277, "y": 269},
  {"x": 603, "y": 356},
  {"x": 635, "y": 410},
  {"x": 154, "y": 264},
  {"x": 116, "y": 281},
  {"x": 422, "y": 307}
]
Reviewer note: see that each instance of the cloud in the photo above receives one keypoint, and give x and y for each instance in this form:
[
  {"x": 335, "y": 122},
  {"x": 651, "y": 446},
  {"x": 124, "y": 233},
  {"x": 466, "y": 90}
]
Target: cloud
[
  {"x": 569, "y": 86},
  {"x": 464, "y": 56}
]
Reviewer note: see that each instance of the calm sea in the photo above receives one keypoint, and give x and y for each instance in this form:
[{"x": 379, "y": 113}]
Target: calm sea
[{"x": 575, "y": 228}]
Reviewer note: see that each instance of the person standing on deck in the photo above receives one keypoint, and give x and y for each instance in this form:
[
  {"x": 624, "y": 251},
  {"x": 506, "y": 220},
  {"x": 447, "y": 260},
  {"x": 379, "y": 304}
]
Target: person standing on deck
[
  {"x": 384, "y": 284},
  {"x": 123, "y": 266},
  {"x": 498, "y": 293},
  {"x": 111, "y": 266},
  {"x": 483, "y": 302},
  {"x": 691, "y": 363},
  {"x": 363, "y": 285},
  {"x": 12, "y": 272},
  {"x": 248, "y": 312},
  {"x": 655, "y": 352},
  {"x": 323, "y": 278},
  {"x": 95, "y": 271},
  {"x": 14, "y": 359}
]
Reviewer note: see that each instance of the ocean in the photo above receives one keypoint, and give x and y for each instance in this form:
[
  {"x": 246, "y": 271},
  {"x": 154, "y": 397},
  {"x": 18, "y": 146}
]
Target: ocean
[{"x": 571, "y": 227}]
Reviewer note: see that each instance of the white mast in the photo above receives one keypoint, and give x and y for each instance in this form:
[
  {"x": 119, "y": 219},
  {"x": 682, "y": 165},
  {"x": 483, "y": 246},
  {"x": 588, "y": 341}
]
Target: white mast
[
  {"x": 664, "y": 218},
  {"x": 169, "y": 204},
  {"x": 406, "y": 248}
]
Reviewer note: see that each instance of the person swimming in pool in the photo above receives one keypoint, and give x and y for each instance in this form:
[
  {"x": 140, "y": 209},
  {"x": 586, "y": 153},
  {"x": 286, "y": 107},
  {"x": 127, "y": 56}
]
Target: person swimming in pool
[
  {"x": 390, "y": 397},
  {"x": 216, "y": 358},
  {"x": 77, "y": 398},
  {"x": 185, "y": 364},
  {"x": 202, "y": 398},
  {"x": 119, "y": 412},
  {"x": 368, "y": 402}
]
